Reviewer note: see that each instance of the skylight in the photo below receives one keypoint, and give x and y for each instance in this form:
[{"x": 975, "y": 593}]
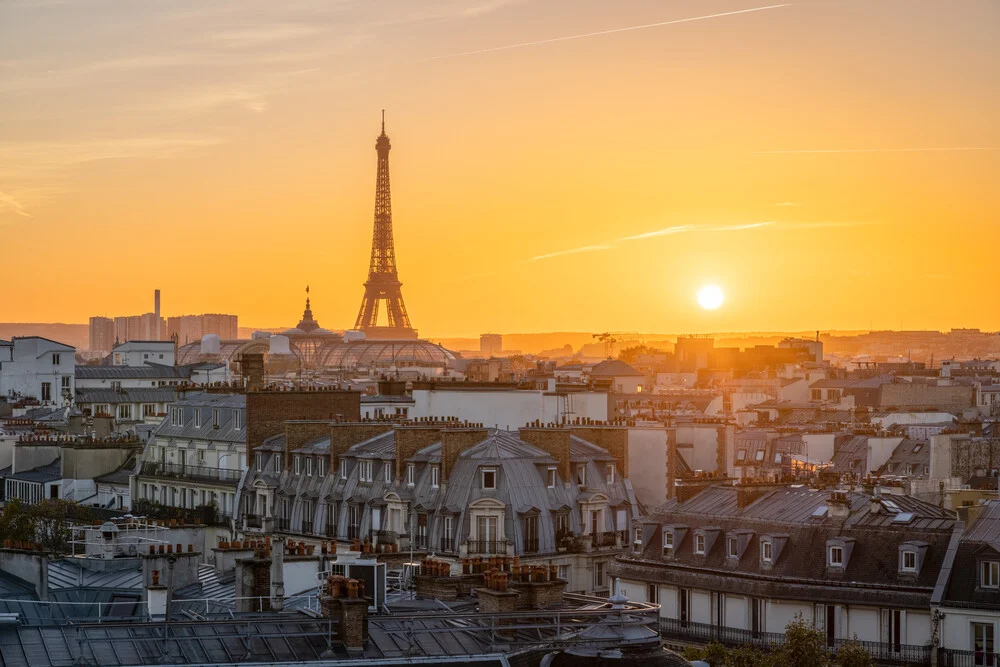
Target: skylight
[
  {"x": 903, "y": 517},
  {"x": 820, "y": 512}
]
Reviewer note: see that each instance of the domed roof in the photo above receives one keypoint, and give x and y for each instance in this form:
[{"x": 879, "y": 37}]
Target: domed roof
[{"x": 385, "y": 353}]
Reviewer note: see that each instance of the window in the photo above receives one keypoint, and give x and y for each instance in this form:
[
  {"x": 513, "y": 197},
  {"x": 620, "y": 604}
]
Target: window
[
  {"x": 581, "y": 474},
  {"x": 116, "y": 386},
  {"x": 990, "y": 574},
  {"x": 215, "y": 417},
  {"x": 410, "y": 474},
  {"x": 387, "y": 472},
  {"x": 176, "y": 415},
  {"x": 489, "y": 478},
  {"x": 564, "y": 572},
  {"x": 599, "y": 575},
  {"x": 759, "y": 456},
  {"x": 732, "y": 547},
  {"x": 145, "y": 355},
  {"x": 260, "y": 462},
  {"x": 365, "y": 471},
  {"x": 343, "y": 469},
  {"x": 148, "y": 410},
  {"x": 909, "y": 561},
  {"x": 741, "y": 455},
  {"x": 56, "y": 358},
  {"x": 833, "y": 395},
  {"x": 983, "y": 644},
  {"x": 530, "y": 526},
  {"x": 562, "y": 525},
  {"x": 653, "y": 593},
  {"x": 125, "y": 411},
  {"x": 277, "y": 463},
  {"x": 552, "y": 478},
  {"x": 435, "y": 476},
  {"x": 638, "y": 536},
  {"x": 836, "y": 557},
  {"x": 197, "y": 418},
  {"x": 238, "y": 420},
  {"x": 609, "y": 473},
  {"x": 65, "y": 383},
  {"x": 297, "y": 460},
  {"x": 668, "y": 542},
  {"x": 46, "y": 391},
  {"x": 766, "y": 551},
  {"x": 817, "y": 394},
  {"x": 309, "y": 466},
  {"x": 777, "y": 458},
  {"x": 699, "y": 544}
]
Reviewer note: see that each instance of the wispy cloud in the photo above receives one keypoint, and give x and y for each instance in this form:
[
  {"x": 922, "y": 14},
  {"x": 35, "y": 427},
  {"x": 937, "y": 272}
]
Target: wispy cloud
[
  {"x": 944, "y": 149},
  {"x": 666, "y": 231},
  {"x": 10, "y": 205},
  {"x": 737, "y": 228},
  {"x": 572, "y": 251},
  {"x": 612, "y": 31}
]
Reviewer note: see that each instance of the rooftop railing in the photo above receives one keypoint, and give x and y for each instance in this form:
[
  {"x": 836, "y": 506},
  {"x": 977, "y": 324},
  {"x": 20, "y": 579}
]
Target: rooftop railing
[
  {"x": 496, "y": 547},
  {"x": 955, "y": 658},
  {"x": 195, "y": 473}
]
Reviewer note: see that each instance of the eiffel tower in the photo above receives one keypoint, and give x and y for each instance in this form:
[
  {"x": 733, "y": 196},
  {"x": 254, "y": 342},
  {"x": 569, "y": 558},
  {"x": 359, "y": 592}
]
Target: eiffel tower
[{"x": 383, "y": 282}]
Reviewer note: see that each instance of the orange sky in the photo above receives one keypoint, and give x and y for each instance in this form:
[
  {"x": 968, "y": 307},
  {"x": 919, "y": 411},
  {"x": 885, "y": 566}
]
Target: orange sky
[{"x": 224, "y": 153}]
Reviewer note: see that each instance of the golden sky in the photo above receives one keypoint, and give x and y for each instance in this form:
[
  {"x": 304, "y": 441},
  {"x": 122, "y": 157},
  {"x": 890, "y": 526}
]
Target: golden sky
[{"x": 556, "y": 164}]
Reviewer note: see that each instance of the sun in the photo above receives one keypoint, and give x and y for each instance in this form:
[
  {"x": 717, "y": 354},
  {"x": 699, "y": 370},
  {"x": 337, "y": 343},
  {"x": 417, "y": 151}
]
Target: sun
[{"x": 710, "y": 297}]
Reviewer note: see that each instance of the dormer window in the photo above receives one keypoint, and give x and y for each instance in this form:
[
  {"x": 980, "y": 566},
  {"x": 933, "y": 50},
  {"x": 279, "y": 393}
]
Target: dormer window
[
  {"x": 309, "y": 466},
  {"x": 238, "y": 420},
  {"x": 909, "y": 561},
  {"x": 609, "y": 475},
  {"x": 835, "y": 557},
  {"x": 668, "y": 542},
  {"x": 552, "y": 476},
  {"x": 260, "y": 462},
  {"x": 277, "y": 464},
  {"x": 365, "y": 471},
  {"x": 989, "y": 576},
  {"x": 387, "y": 472},
  {"x": 435, "y": 477},
  {"x": 197, "y": 418},
  {"x": 489, "y": 478},
  {"x": 581, "y": 474},
  {"x": 215, "y": 417},
  {"x": 732, "y": 547},
  {"x": 297, "y": 461},
  {"x": 766, "y": 551},
  {"x": 759, "y": 456},
  {"x": 699, "y": 545},
  {"x": 638, "y": 537},
  {"x": 410, "y": 474},
  {"x": 343, "y": 469}
]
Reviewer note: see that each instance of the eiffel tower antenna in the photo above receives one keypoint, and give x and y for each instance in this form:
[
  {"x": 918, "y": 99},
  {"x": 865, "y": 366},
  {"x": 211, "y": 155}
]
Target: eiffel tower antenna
[{"x": 383, "y": 282}]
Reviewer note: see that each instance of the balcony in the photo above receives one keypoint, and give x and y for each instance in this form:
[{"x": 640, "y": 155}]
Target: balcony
[
  {"x": 448, "y": 545},
  {"x": 192, "y": 473},
  {"x": 307, "y": 527},
  {"x": 954, "y": 658},
  {"x": 254, "y": 521},
  {"x": 606, "y": 540},
  {"x": 420, "y": 541},
  {"x": 487, "y": 547},
  {"x": 882, "y": 653},
  {"x": 383, "y": 537},
  {"x": 331, "y": 530}
]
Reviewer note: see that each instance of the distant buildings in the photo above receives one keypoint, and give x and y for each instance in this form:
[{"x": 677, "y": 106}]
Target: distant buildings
[
  {"x": 490, "y": 345},
  {"x": 191, "y": 328},
  {"x": 102, "y": 334}
]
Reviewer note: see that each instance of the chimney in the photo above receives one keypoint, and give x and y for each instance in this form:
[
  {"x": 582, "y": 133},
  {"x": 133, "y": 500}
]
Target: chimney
[
  {"x": 299, "y": 432},
  {"x": 411, "y": 439},
  {"x": 612, "y": 439},
  {"x": 277, "y": 573},
  {"x": 555, "y": 441},
  {"x": 343, "y": 436},
  {"x": 839, "y": 505},
  {"x": 454, "y": 442}
]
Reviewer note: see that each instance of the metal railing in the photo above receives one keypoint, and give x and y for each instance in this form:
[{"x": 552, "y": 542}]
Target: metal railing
[
  {"x": 199, "y": 473},
  {"x": 448, "y": 544},
  {"x": 949, "y": 657},
  {"x": 607, "y": 539},
  {"x": 384, "y": 536},
  {"x": 497, "y": 547},
  {"x": 254, "y": 521},
  {"x": 353, "y": 532},
  {"x": 331, "y": 530},
  {"x": 881, "y": 652},
  {"x": 420, "y": 541}
]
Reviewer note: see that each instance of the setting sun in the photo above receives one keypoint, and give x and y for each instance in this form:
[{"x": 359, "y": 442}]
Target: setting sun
[{"x": 710, "y": 297}]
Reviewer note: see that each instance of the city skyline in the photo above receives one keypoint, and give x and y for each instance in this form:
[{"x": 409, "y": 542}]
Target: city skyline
[{"x": 827, "y": 165}]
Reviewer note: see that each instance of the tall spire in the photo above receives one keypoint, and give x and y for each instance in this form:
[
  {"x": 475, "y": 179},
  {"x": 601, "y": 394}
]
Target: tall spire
[{"x": 383, "y": 282}]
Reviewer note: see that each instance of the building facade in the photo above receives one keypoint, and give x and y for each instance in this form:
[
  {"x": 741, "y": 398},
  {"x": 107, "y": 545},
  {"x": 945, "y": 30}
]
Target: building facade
[{"x": 39, "y": 368}]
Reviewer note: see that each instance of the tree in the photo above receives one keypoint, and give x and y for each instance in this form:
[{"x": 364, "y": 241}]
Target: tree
[
  {"x": 45, "y": 524},
  {"x": 630, "y": 354},
  {"x": 853, "y": 654},
  {"x": 803, "y": 645}
]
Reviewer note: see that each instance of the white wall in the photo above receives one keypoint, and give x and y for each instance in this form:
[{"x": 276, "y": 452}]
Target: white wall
[
  {"x": 879, "y": 451},
  {"x": 956, "y": 626},
  {"x": 31, "y": 365},
  {"x": 139, "y": 353},
  {"x": 818, "y": 446}
]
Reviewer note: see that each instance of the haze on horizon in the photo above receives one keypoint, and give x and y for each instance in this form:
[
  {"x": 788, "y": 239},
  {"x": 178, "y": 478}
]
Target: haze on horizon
[{"x": 556, "y": 166}]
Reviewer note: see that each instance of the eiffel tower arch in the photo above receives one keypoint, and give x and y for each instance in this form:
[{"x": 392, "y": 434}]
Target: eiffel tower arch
[{"x": 383, "y": 289}]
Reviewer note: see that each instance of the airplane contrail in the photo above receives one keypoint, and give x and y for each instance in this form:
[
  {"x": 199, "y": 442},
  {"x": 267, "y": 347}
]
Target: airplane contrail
[
  {"x": 572, "y": 251},
  {"x": 876, "y": 150},
  {"x": 607, "y": 32}
]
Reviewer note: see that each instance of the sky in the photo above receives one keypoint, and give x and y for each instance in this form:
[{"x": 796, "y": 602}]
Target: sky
[{"x": 556, "y": 164}]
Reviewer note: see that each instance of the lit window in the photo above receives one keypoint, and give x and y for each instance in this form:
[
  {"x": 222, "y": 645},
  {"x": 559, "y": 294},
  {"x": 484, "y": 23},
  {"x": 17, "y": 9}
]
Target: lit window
[
  {"x": 435, "y": 476},
  {"x": 410, "y": 474},
  {"x": 699, "y": 544},
  {"x": 990, "y": 574},
  {"x": 836, "y": 557},
  {"x": 766, "y": 551},
  {"x": 732, "y": 547},
  {"x": 489, "y": 478},
  {"x": 909, "y": 561},
  {"x": 552, "y": 478}
]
